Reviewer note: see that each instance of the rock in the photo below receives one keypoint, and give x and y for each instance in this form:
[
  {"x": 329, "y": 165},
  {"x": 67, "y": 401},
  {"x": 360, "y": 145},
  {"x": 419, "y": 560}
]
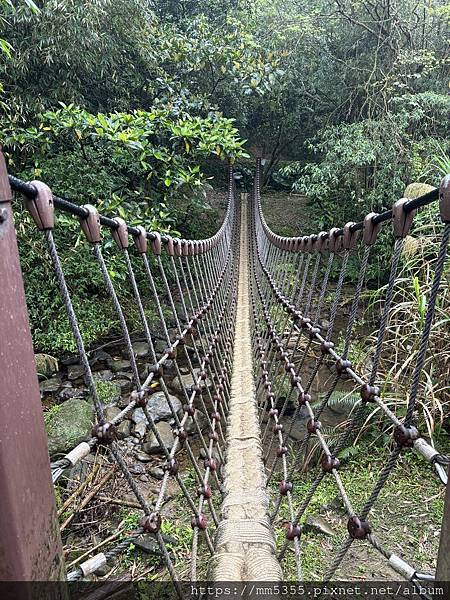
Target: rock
[
  {"x": 50, "y": 386},
  {"x": 202, "y": 421},
  {"x": 318, "y": 525},
  {"x": 414, "y": 190},
  {"x": 100, "y": 356},
  {"x": 140, "y": 429},
  {"x": 67, "y": 425},
  {"x": 143, "y": 456},
  {"x": 324, "y": 324},
  {"x": 46, "y": 365},
  {"x": 70, "y": 392},
  {"x": 124, "y": 375},
  {"x": 124, "y": 429},
  {"x": 104, "y": 375},
  {"x": 147, "y": 543},
  {"x": 140, "y": 349},
  {"x": 179, "y": 384},
  {"x": 158, "y": 407},
  {"x": 156, "y": 473},
  {"x": 118, "y": 364},
  {"x": 111, "y": 412},
  {"x": 75, "y": 372},
  {"x": 70, "y": 360},
  {"x": 137, "y": 469},
  {"x": 151, "y": 445},
  {"x": 125, "y": 385},
  {"x": 160, "y": 345}
]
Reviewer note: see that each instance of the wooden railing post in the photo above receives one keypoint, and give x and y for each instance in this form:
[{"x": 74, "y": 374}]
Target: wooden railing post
[
  {"x": 443, "y": 561},
  {"x": 30, "y": 542}
]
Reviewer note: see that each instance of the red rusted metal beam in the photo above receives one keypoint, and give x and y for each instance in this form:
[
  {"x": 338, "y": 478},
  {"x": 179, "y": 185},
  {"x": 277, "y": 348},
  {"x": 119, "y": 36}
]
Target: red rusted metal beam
[
  {"x": 30, "y": 543},
  {"x": 443, "y": 561}
]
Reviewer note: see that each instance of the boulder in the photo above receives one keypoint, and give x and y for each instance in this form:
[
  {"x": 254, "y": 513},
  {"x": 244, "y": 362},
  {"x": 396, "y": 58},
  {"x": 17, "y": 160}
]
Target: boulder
[
  {"x": 158, "y": 407},
  {"x": 151, "y": 445},
  {"x": 67, "y": 425},
  {"x": 46, "y": 365}
]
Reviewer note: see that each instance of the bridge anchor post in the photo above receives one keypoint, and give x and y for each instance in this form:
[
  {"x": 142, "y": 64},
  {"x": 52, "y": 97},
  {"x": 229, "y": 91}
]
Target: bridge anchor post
[
  {"x": 443, "y": 561},
  {"x": 30, "y": 542}
]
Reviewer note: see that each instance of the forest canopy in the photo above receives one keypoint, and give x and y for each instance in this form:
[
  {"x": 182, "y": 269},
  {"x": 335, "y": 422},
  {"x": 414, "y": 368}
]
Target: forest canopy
[{"x": 131, "y": 105}]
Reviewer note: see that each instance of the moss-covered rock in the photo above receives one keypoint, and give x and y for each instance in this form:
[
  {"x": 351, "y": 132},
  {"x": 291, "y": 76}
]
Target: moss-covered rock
[
  {"x": 67, "y": 425},
  {"x": 108, "y": 391},
  {"x": 46, "y": 365},
  {"x": 415, "y": 190}
]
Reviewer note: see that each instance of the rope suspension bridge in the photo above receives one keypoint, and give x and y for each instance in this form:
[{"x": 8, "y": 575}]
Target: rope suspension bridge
[{"x": 247, "y": 306}]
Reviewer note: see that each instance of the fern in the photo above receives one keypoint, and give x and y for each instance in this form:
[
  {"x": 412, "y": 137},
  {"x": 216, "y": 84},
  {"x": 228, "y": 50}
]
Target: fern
[{"x": 338, "y": 398}]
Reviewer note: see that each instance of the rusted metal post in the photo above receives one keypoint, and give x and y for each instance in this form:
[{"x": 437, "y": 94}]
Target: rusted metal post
[
  {"x": 30, "y": 543},
  {"x": 443, "y": 561}
]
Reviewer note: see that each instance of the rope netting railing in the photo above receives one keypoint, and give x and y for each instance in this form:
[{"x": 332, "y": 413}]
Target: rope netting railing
[
  {"x": 290, "y": 286},
  {"x": 198, "y": 278}
]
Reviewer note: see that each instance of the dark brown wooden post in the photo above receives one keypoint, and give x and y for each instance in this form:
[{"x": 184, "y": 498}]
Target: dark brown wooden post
[
  {"x": 30, "y": 543},
  {"x": 443, "y": 562}
]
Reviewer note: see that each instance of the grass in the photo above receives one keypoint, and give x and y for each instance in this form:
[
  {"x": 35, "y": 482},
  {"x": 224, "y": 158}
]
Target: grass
[{"x": 406, "y": 517}]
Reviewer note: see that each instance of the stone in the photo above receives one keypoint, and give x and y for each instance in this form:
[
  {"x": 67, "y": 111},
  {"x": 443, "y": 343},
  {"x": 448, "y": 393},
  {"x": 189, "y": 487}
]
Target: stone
[
  {"x": 414, "y": 190},
  {"x": 143, "y": 456},
  {"x": 158, "y": 408},
  {"x": 124, "y": 375},
  {"x": 179, "y": 384},
  {"x": 70, "y": 392},
  {"x": 160, "y": 345},
  {"x": 318, "y": 525},
  {"x": 103, "y": 375},
  {"x": 50, "y": 386},
  {"x": 101, "y": 356},
  {"x": 125, "y": 385},
  {"x": 67, "y": 425},
  {"x": 147, "y": 543},
  {"x": 46, "y": 365},
  {"x": 140, "y": 429},
  {"x": 137, "y": 469},
  {"x": 118, "y": 364},
  {"x": 324, "y": 324},
  {"x": 202, "y": 421},
  {"x": 111, "y": 412},
  {"x": 75, "y": 372},
  {"x": 151, "y": 445},
  {"x": 140, "y": 349},
  {"x": 124, "y": 429},
  {"x": 156, "y": 473}
]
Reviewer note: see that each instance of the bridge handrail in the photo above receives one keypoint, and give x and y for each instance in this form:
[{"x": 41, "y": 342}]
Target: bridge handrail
[
  {"x": 371, "y": 221},
  {"x": 29, "y": 190}
]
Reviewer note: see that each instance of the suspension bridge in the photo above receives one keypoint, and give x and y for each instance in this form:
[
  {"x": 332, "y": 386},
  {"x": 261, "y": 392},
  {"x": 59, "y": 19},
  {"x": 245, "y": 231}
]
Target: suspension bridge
[{"x": 246, "y": 307}]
